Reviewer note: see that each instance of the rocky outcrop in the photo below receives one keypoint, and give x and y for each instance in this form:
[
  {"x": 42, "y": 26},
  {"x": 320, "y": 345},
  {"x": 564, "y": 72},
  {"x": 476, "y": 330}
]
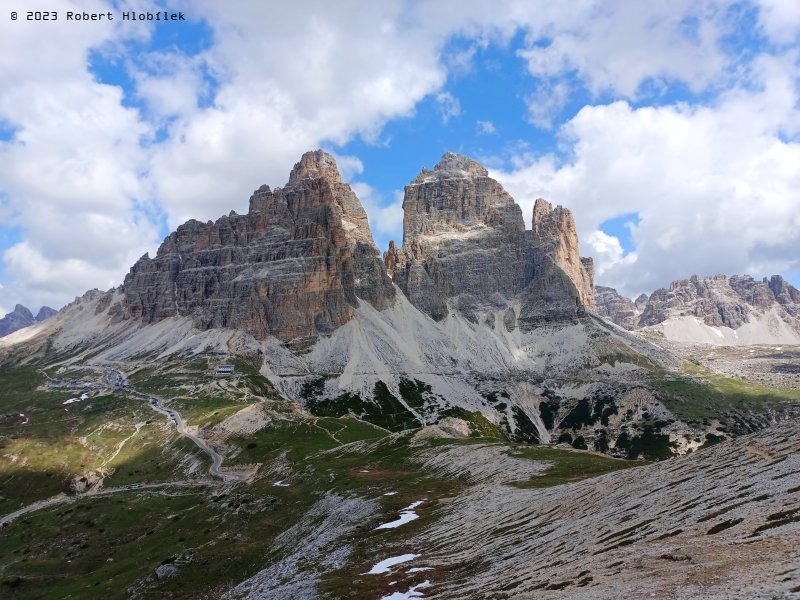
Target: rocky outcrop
[
  {"x": 21, "y": 317},
  {"x": 303, "y": 257},
  {"x": 716, "y": 301},
  {"x": 465, "y": 248},
  {"x": 640, "y": 302},
  {"x": 616, "y": 308},
  {"x": 293, "y": 267},
  {"x": 555, "y": 229},
  {"x": 720, "y": 300}
]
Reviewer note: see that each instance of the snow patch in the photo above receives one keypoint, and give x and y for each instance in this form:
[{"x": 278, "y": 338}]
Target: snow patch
[
  {"x": 764, "y": 328},
  {"x": 385, "y": 565},
  {"x": 409, "y": 594},
  {"x": 406, "y": 516}
]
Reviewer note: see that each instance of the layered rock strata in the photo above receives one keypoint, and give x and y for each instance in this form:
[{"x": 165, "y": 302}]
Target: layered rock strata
[
  {"x": 617, "y": 308},
  {"x": 293, "y": 267},
  {"x": 716, "y": 301},
  {"x": 720, "y": 300},
  {"x": 465, "y": 247}
]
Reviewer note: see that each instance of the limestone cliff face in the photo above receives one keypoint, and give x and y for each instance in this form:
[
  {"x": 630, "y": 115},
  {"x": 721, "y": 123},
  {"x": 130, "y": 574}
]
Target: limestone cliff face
[
  {"x": 614, "y": 307},
  {"x": 716, "y": 301},
  {"x": 555, "y": 227},
  {"x": 465, "y": 246},
  {"x": 292, "y": 267},
  {"x": 722, "y": 301}
]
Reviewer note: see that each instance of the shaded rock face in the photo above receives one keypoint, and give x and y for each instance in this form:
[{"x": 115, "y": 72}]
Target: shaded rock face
[
  {"x": 18, "y": 318},
  {"x": 616, "y": 308},
  {"x": 293, "y": 267},
  {"x": 45, "y": 313},
  {"x": 465, "y": 246},
  {"x": 720, "y": 300},
  {"x": 21, "y": 317}
]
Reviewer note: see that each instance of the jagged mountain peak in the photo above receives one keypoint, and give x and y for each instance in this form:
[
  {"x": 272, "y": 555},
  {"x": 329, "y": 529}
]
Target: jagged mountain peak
[
  {"x": 450, "y": 166},
  {"x": 313, "y": 165},
  {"x": 294, "y": 267},
  {"x": 22, "y": 311},
  {"x": 21, "y": 317},
  {"x": 45, "y": 313},
  {"x": 458, "y": 196},
  {"x": 717, "y": 309},
  {"x": 452, "y": 162},
  {"x": 465, "y": 244},
  {"x": 303, "y": 257}
]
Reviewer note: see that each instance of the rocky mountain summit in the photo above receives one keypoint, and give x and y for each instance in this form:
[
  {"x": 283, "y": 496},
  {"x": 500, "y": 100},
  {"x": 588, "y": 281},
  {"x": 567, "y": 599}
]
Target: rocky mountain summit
[
  {"x": 303, "y": 257},
  {"x": 707, "y": 304},
  {"x": 292, "y": 267},
  {"x": 465, "y": 246},
  {"x": 21, "y": 317}
]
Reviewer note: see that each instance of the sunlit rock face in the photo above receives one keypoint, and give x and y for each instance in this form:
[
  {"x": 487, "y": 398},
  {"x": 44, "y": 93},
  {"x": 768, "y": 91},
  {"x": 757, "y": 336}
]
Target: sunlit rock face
[
  {"x": 303, "y": 257},
  {"x": 615, "y": 307},
  {"x": 723, "y": 301},
  {"x": 293, "y": 267},
  {"x": 465, "y": 248}
]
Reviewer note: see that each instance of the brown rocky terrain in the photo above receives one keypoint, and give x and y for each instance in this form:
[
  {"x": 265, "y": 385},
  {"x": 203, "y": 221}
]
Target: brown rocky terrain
[{"x": 293, "y": 267}]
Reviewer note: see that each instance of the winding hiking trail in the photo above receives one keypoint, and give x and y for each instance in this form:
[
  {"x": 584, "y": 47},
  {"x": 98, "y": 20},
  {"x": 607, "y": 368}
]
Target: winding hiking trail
[
  {"x": 67, "y": 499},
  {"x": 157, "y": 404},
  {"x": 118, "y": 380}
]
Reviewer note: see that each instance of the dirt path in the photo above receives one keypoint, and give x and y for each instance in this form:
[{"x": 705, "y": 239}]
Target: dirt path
[
  {"x": 119, "y": 381},
  {"x": 65, "y": 499}
]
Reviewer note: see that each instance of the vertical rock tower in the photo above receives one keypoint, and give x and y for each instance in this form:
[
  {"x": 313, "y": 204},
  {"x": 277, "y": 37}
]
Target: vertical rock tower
[{"x": 465, "y": 247}]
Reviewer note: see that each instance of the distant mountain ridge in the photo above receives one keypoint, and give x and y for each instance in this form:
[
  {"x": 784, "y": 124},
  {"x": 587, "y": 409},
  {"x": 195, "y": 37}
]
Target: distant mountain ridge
[
  {"x": 718, "y": 309},
  {"x": 21, "y": 317}
]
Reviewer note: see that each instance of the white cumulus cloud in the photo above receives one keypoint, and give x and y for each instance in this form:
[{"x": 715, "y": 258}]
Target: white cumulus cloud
[{"x": 715, "y": 187}]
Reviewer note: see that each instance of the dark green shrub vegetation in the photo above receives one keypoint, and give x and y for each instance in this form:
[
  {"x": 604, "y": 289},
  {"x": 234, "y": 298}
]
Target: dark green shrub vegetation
[
  {"x": 548, "y": 411},
  {"x": 413, "y": 392},
  {"x": 601, "y": 440},
  {"x": 651, "y": 444},
  {"x": 579, "y": 443},
  {"x": 579, "y": 417},
  {"x": 564, "y": 438},
  {"x": 526, "y": 430},
  {"x": 386, "y": 411}
]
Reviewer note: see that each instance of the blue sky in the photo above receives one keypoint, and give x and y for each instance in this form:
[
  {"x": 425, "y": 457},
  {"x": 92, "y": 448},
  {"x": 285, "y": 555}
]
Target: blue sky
[{"x": 670, "y": 129}]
